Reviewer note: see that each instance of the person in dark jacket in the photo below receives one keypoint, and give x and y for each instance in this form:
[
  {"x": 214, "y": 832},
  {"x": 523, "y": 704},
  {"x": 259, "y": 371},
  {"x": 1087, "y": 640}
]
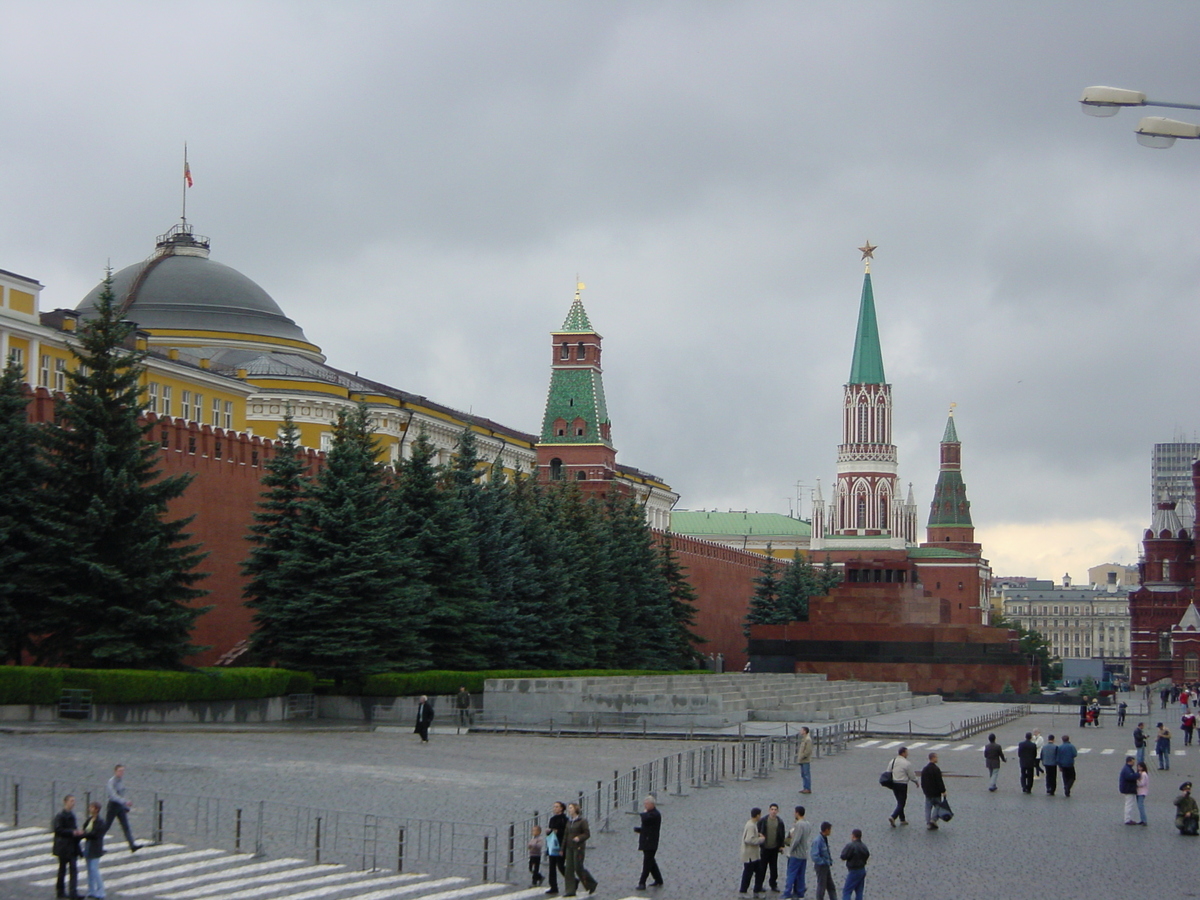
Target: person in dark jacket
[
  {"x": 556, "y": 827},
  {"x": 93, "y": 848},
  {"x": 774, "y": 832},
  {"x": 1127, "y": 785},
  {"x": 1027, "y": 759},
  {"x": 934, "y": 789},
  {"x": 648, "y": 842},
  {"x": 424, "y": 718},
  {"x": 66, "y": 848},
  {"x": 1050, "y": 764},
  {"x": 574, "y": 850},
  {"x": 1066, "y": 763},
  {"x": 1139, "y": 741},
  {"x": 855, "y": 854},
  {"x": 993, "y": 755}
]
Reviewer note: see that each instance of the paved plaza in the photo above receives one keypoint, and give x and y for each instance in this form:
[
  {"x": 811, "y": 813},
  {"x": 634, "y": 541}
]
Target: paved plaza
[{"x": 999, "y": 845}]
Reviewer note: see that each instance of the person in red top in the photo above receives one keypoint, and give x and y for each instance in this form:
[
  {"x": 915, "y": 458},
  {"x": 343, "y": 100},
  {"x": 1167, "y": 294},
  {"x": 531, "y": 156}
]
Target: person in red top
[{"x": 1188, "y": 725}]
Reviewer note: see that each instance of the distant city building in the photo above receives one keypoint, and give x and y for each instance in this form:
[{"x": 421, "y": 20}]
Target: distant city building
[
  {"x": 1113, "y": 573},
  {"x": 1171, "y": 472},
  {"x": 1078, "y": 622}
]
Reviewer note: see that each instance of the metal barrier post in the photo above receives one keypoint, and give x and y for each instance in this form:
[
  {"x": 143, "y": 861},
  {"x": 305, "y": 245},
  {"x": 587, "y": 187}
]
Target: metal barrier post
[
  {"x": 158, "y": 831},
  {"x": 512, "y": 836},
  {"x": 258, "y": 831},
  {"x": 317, "y": 845},
  {"x": 400, "y": 851},
  {"x": 237, "y": 834},
  {"x": 485, "y": 857},
  {"x": 16, "y": 804}
]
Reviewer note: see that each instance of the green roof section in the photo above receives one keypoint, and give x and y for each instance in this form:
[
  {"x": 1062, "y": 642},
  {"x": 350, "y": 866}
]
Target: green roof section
[
  {"x": 867, "y": 367},
  {"x": 950, "y": 436},
  {"x": 938, "y": 553},
  {"x": 575, "y": 394},
  {"x": 699, "y": 523},
  {"x": 577, "y": 319}
]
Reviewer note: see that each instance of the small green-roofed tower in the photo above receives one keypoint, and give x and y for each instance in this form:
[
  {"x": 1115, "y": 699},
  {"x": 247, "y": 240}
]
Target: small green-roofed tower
[
  {"x": 576, "y": 439},
  {"x": 950, "y": 511}
]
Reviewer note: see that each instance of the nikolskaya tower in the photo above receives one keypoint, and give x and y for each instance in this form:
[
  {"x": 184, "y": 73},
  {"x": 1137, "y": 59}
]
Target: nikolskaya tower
[{"x": 866, "y": 507}]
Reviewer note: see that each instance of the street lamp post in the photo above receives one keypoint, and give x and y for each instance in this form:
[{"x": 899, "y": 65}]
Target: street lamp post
[{"x": 1156, "y": 132}]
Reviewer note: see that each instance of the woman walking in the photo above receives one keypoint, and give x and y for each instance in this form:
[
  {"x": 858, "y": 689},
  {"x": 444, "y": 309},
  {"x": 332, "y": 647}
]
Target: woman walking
[{"x": 1143, "y": 788}]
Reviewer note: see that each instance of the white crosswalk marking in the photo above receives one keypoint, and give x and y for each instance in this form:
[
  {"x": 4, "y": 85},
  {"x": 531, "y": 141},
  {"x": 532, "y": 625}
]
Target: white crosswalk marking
[
  {"x": 1107, "y": 752},
  {"x": 917, "y": 746},
  {"x": 1083, "y": 750},
  {"x": 463, "y": 892},
  {"x": 867, "y": 743},
  {"x": 1010, "y": 749},
  {"x": 192, "y": 867},
  {"x": 127, "y": 865},
  {"x": 964, "y": 747},
  {"x": 158, "y": 888},
  {"x": 337, "y": 878},
  {"x": 1180, "y": 752},
  {"x": 890, "y": 744},
  {"x": 389, "y": 892},
  {"x": 221, "y": 887},
  {"x": 937, "y": 746}
]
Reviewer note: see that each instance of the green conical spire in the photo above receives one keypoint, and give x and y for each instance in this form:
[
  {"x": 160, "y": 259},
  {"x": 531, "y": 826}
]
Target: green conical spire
[
  {"x": 950, "y": 435},
  {"x": 577, "y": 318},
  {"x": 950, "y": 506},
  {"x": 867, "y": 367}
]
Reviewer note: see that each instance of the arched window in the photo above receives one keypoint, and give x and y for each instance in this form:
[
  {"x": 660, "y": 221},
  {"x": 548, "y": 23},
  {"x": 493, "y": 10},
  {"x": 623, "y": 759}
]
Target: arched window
[
  {"x": 579, "y": 427},
  {"x": 564, "y": 352},
  {"x": 1164, "y": 645},
  {"x": 1191, "y": 667},
  {"x": 860, "y": 514},
  {"x": 556, "y": 469},
  {"x": 862, "y": 423},
  {"x": 580, "y": 351},
  {"x": 581, "y": 475},
  {"x": 560, "y": 427}
]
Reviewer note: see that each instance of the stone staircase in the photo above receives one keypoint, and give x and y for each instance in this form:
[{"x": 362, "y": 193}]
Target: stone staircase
[{"x": 705, "y": 701}]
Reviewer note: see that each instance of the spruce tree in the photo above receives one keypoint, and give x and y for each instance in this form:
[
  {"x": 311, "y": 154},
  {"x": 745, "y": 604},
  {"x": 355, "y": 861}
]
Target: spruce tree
[
  {"x": 22, "y": 521},
  {"x": 682, "y": 648},
  {"x": 644, "y": 626},
  {"x": 121, "y": 573},
  {"x": 437, "y": 523},
  {"x": 764, "y": 604},
  {"x": 359, "y": 596},
  {"x": 552, "y": 596},
  {"x": 274, "y": 586},
  {"x": 800, "y": 582}
]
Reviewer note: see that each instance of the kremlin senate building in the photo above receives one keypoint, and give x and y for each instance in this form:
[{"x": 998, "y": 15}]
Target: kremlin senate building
[{"x": 226, "y": 364}]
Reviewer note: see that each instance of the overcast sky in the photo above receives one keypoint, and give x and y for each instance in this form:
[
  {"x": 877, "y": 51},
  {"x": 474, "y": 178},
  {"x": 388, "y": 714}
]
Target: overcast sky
[{"x": 418, "y": 184}]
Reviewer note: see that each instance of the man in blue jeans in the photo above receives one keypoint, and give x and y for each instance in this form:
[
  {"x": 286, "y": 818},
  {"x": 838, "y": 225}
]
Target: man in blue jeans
[
  {"x": 804, "y": 757},
  {"x": 855, "y": 854},
  {"x": 799, "y": 842}
]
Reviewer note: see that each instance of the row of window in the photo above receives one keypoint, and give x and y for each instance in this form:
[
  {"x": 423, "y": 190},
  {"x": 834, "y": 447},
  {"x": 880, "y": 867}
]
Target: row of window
[
  {"x": 564, "y": 351},
  {"x": 1066, "y": 611},
  {"x": 191, "y": 406}
]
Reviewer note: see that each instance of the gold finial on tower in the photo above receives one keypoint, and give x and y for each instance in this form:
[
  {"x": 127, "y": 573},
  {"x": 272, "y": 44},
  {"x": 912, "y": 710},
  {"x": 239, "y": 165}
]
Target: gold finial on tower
[
  {"x": 579, "y": 286},
  {"x": 868, "y": 254},
  {"x": 952, "y": 405}
]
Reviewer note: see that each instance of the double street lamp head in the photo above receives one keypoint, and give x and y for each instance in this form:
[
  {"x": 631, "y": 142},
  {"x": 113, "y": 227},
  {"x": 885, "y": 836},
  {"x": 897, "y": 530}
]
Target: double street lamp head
[{"x": 1152, "y": 131}]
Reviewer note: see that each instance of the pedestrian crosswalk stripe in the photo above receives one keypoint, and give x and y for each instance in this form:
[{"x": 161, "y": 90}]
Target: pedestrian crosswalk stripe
[
  {"x": 24, "y": 845},
  {"x": 891, "y": 744},
  {"x": 462, "y": 892},
  {"x": 38, "y": 871},
  {"x": 938, "y": 746},
  {"x": 1010, "y": 749},
  {"x": 120, "y": 868},
  {"x": 421, "y": 885},
  {"x": 388, "y": 893},
  {"x": 917, "y": 746},
  {"x": 964, "y": 747},
  {"x": 868, "y": 743},
  {"x": 1107, "y": 752},
  {"x": 518, "y": 895},
  {"x": 194, "y": 876},
  {"x": 1180, "y": 752},
  {"x": 220, "y": 887},
  {"x": 1083, "y": 750},
  {"x": 331, "y": 878}
]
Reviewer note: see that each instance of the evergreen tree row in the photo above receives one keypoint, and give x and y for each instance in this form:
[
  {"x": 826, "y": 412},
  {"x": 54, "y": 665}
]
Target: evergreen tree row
[
  {"x": 93, "y": 573},
  {"x": 359, "y": 570},
  {"x": 782, "y": 597}
]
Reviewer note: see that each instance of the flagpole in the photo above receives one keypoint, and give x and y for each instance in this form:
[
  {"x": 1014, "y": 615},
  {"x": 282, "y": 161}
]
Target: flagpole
[{"x": 183, "y": 218}]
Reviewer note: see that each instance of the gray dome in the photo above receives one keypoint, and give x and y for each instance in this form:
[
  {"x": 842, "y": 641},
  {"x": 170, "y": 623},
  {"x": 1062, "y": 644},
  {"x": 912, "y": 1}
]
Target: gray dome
[{"x": 180, "y": 288}]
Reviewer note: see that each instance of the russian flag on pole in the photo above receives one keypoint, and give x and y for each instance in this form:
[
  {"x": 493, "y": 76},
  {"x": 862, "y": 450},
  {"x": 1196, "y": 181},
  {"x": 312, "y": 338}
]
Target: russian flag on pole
[{"x": 187, "y": 173}]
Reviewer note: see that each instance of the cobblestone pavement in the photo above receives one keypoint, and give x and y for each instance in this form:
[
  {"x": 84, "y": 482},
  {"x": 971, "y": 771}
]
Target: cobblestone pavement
[{"x": 999, "y": 845}]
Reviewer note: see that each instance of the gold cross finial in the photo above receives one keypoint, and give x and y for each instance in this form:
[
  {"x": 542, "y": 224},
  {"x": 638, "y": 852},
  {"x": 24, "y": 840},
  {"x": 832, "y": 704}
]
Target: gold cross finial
[
  {"x": 868, "y": 254},
  {"x": 952, "y": 405},
  {"x": 579, "y": 286}
]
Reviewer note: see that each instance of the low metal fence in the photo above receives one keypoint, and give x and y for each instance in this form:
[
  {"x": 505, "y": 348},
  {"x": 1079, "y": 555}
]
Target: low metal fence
[{"x": 952, "y": 731}]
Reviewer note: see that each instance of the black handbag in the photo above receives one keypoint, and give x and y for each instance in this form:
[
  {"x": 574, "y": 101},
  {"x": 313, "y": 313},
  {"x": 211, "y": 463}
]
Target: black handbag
[
  {"x": 945, "y": 813},
  {"x": 885, "y": 777}
]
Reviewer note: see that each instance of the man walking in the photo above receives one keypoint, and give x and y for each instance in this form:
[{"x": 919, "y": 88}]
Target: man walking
[
  {"x": 648, "y": 841},
  {"x": 1121, "y": 708},
  {"x": 1027, "y": 757},
  {"x": 804, "y": 757},
  {"x": 993, "y": 755},
  {"x": 1139, "y": 741},
  {"x": 66, "y": 848},
  {"x": 823, "y": 864},
  {"x": 1066, "y": 763},
  {"x": 903, "y": 775},
  {"x": 799, "y": 844},
  {"x": 855, "y": 854},
  {"x": 934, "y": 789},
  {"x": 752, "y": 853},
  {"x": 462, "y": 704},
  {"x": 1127, "y": 785},
  {"x": 1050, "y": 764},
  {"x": 119, "y": 806},
  {"x": 574, "y": 849},
  {"x": 773, "y": 831},
  {"x": 424, "y": 718}
]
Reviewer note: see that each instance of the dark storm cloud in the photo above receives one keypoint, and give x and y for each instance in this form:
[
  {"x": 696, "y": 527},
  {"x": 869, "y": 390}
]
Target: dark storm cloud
[{"x": 418, "y": 185}]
